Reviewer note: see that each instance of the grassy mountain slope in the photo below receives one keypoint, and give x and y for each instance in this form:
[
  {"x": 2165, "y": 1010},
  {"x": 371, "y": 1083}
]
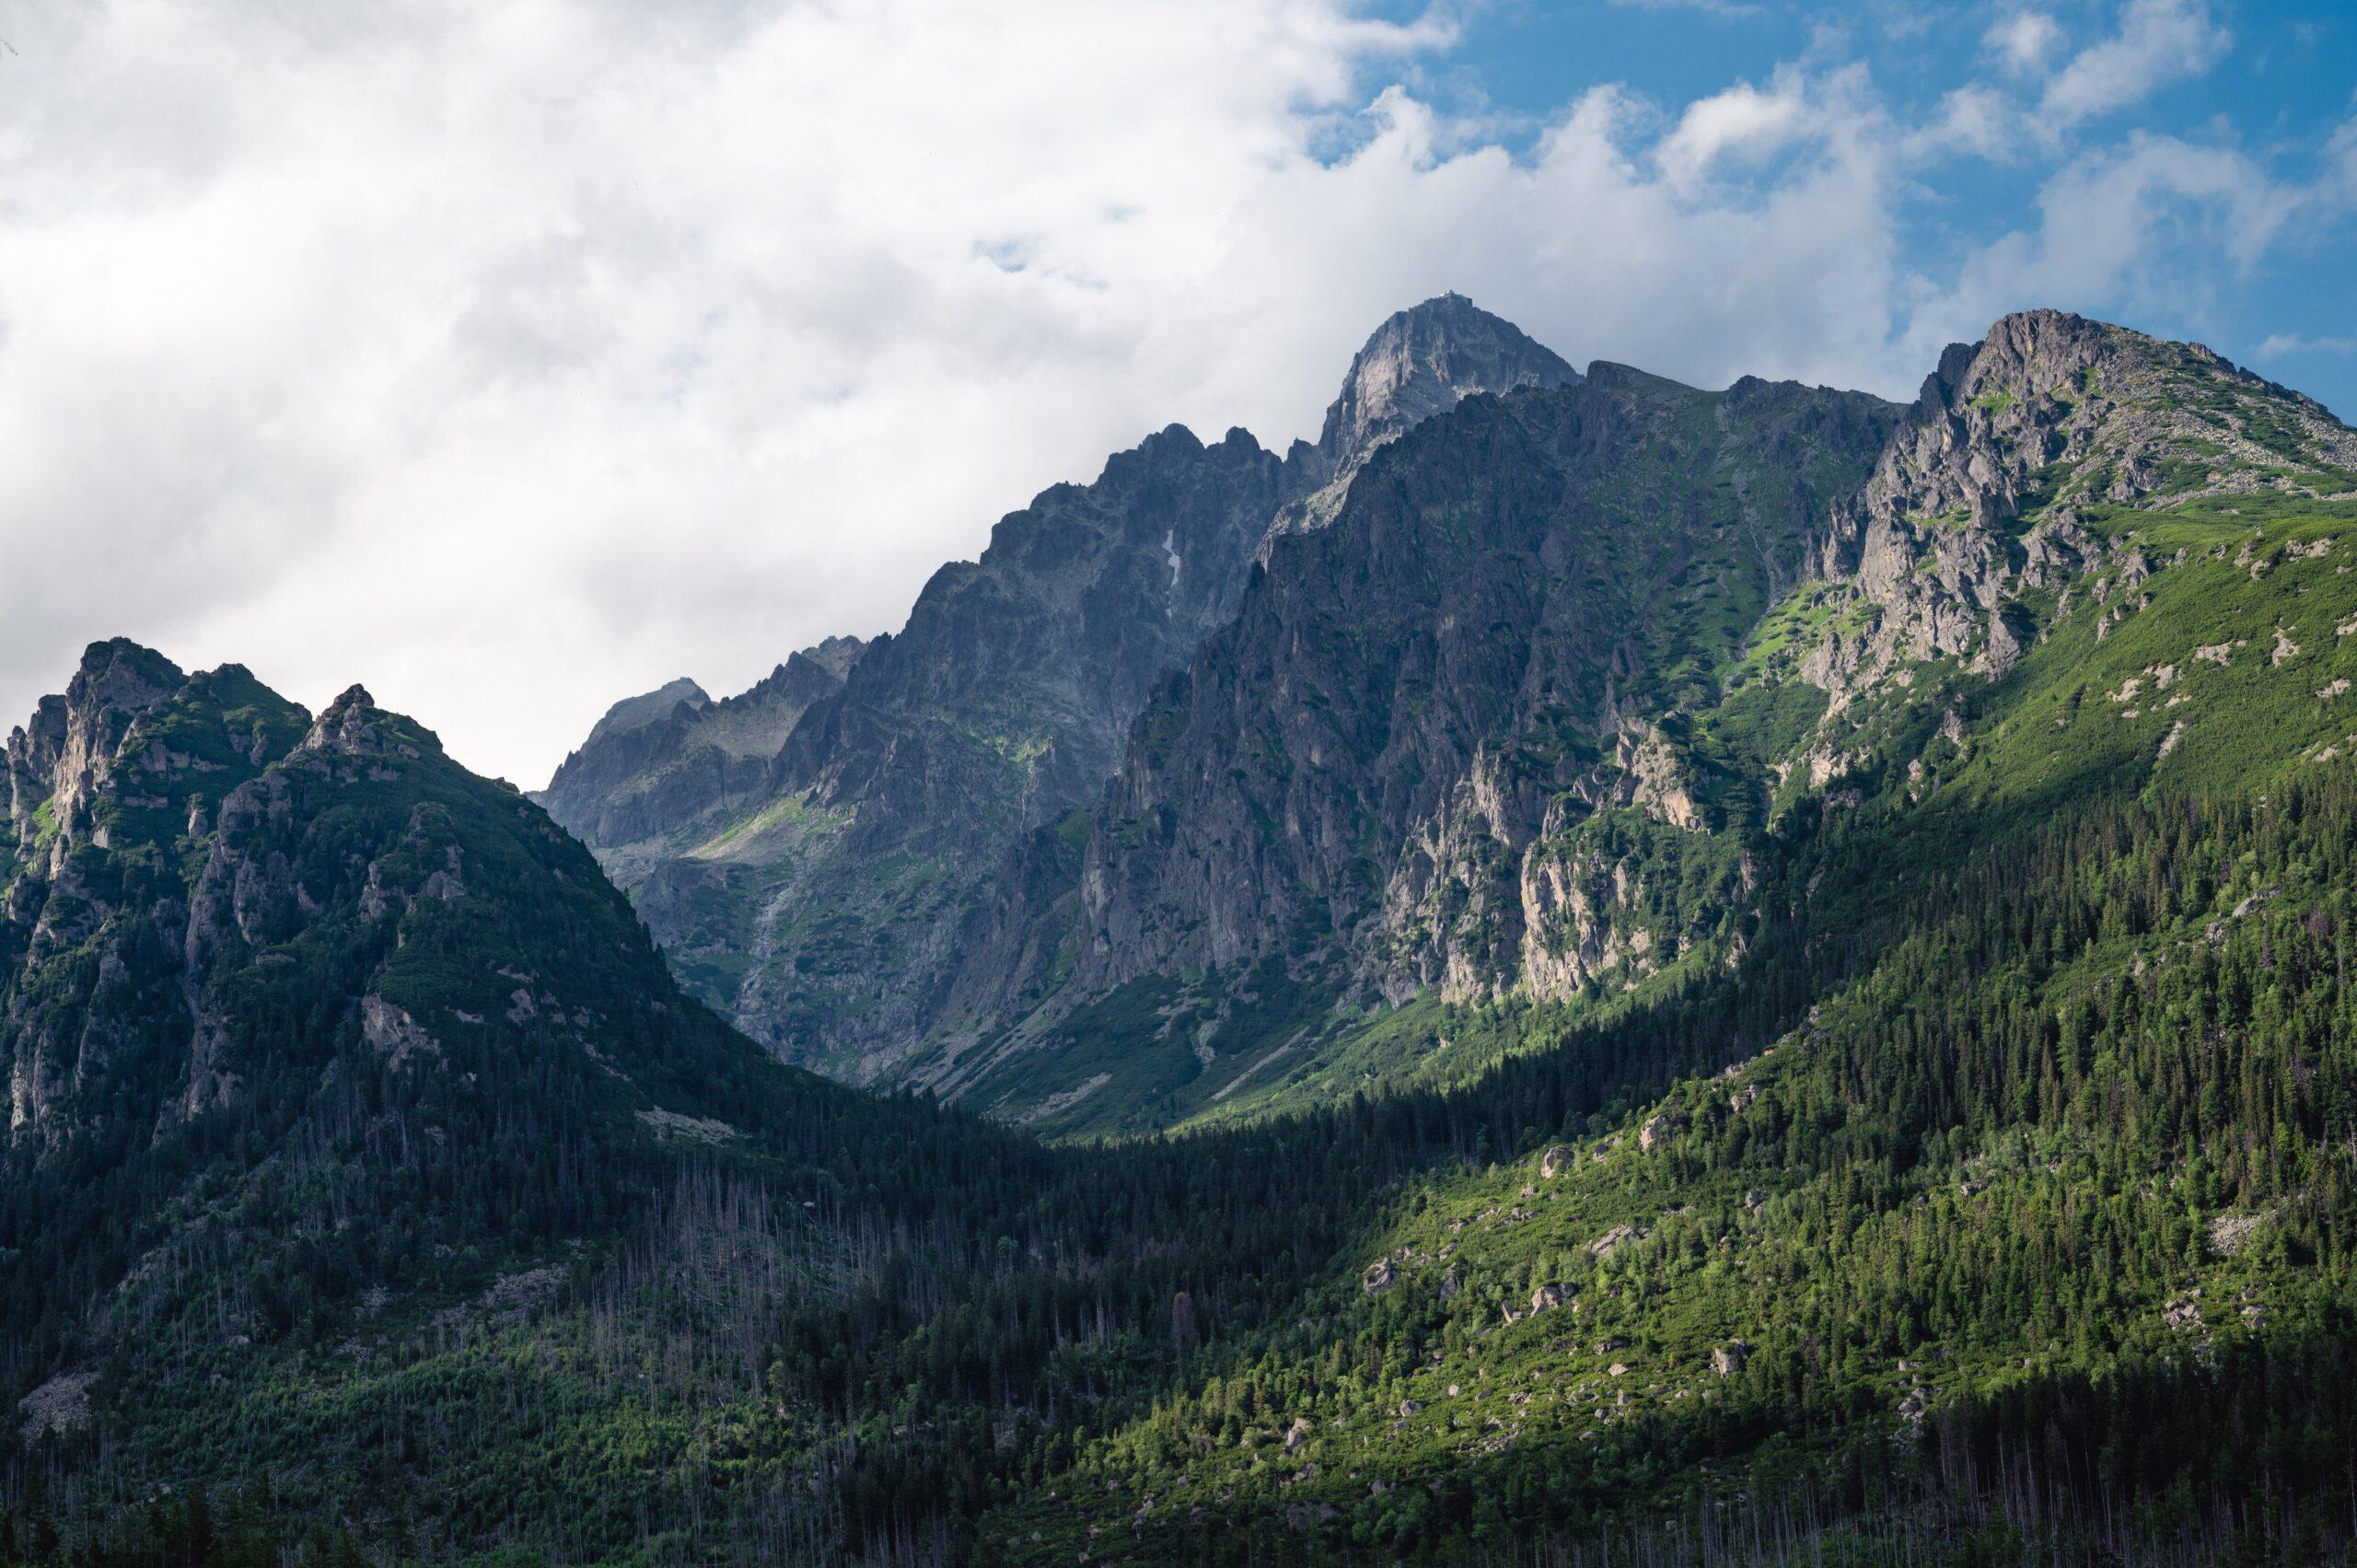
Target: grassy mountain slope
[{"x": 2050, "y": 1184}]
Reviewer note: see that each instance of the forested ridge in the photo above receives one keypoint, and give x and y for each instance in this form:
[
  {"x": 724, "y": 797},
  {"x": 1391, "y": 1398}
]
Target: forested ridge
[{"x": 1987, "y": 1140}]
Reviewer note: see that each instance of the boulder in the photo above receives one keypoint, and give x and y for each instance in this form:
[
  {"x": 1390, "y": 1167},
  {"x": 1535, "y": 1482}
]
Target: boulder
[
  {"x": 1602, "y": 1246},
  {"x": 1657, "y": 1128}
]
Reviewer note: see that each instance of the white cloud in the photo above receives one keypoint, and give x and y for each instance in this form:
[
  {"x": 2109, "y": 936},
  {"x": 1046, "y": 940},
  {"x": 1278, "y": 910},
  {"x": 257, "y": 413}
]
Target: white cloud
[
  {"x": 515, "y": 356},
  {"x": 513, "y": 353},
  {"x": 2278, "y": 346},
  {"x": 2159, "y": 41},
  {"x": 1974, "y": 119},
  {"x": 2028, "y": 43},
  {"x": 1740, "y": 125},
  {"x": 2139, "y": 229}
]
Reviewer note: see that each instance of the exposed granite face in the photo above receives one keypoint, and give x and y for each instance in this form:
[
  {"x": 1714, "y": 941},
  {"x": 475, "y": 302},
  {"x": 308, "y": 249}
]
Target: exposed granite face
[
  {"x": 60, "y": 763},
  {"x": 2048, "y": 412},
  {"x": 136, "y": 758},
  {"x": 1413, "y": 700},
  {"x": 1421, "y": 362},
  {"x": 822, "y": 893}
]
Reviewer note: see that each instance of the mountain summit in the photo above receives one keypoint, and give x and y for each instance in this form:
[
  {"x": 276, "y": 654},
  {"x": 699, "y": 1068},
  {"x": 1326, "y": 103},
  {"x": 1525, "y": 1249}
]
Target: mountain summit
[{"x": 1422, "y": 361}]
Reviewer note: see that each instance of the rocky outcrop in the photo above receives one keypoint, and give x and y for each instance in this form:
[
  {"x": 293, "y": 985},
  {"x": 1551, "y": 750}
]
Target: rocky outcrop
[
  {"x": 60, "y": 763},
  {"x": 1978, "y": 498},
  {"x": 135, "y": 758}
]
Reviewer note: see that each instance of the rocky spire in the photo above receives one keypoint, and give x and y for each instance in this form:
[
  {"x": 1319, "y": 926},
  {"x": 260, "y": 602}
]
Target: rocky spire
[
  {"x": 353, "y": 725},
  {"x": 1421, "y": 361},
  {"x": 62, "y": 758}
]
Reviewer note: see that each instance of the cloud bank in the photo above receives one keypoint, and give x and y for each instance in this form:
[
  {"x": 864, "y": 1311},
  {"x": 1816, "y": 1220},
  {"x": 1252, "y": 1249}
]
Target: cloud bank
[{"x": 515, "y": 356}]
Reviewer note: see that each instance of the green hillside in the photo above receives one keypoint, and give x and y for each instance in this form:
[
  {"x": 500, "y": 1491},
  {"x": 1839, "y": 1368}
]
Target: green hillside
[{"x": 1844, "y": 1053}]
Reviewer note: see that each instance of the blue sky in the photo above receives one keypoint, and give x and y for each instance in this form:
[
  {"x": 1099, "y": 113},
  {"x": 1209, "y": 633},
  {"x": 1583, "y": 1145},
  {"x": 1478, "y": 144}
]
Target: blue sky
[
  {"x": 2275, "y": 83},
  {"x": 517, "y": 355}
]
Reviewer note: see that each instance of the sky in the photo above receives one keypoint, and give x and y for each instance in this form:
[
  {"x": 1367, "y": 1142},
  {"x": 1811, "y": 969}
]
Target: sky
[{"x": 513, "y": 356}]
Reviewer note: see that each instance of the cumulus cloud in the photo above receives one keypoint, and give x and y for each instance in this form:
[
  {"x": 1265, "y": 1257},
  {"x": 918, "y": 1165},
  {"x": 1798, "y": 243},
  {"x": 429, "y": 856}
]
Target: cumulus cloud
[
  {"x": 2159, "y": 41},
  {"x": 515, "y": 356},
  {"x": 2139, "y": 226},
  {"x": 2028, "y": 43},
  {"x": 1742, "y": 125}
]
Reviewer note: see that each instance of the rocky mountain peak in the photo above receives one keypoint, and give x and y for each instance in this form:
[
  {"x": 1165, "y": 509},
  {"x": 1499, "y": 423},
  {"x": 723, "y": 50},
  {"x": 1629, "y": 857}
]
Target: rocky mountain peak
[
  {"x": 637, "y": 713},
  {"x": 2028, "y": 352},
  {"x": 57, "y": 763},
  {"x": 2015, "y": 444},
  {"x": 662, "y": 760},
  {"x": 835, "y": 655},
  {"x": 123, "y": 674},
  {"x": 1423, "y": 360},
  {"x": 1420, "y": 362},
  {"x": 353, "y": 725}
]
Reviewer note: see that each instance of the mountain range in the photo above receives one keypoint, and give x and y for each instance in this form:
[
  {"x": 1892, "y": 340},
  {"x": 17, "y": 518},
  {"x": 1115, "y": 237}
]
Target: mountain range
[{"x": 1582, "y": 969}]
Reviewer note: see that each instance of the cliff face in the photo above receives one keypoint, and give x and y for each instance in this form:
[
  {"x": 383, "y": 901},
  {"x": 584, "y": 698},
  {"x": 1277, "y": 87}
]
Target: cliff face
[
  {"x": 820, "y": 893},
  {"x": 1368, "y": 776}
]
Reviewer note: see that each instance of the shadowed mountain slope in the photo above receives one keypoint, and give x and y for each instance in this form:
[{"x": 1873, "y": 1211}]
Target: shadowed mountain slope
[{"x": 821, "y": 903}]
